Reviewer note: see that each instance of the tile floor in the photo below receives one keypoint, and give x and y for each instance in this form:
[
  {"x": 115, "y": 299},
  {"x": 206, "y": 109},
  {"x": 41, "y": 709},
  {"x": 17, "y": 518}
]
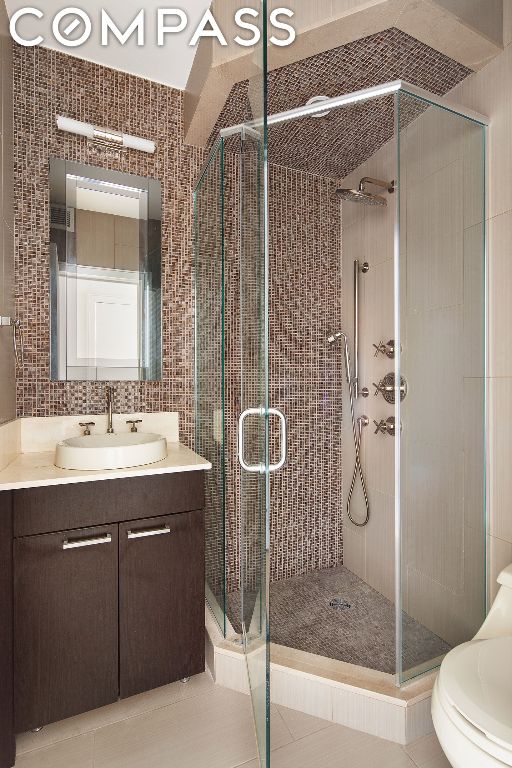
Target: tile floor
[
  {"x": 200, "y": 725},
  {"x": 362, "y": 634}
]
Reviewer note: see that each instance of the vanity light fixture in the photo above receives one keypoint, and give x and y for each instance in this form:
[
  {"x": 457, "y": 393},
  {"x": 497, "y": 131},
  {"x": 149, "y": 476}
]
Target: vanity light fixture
[{"x": 105, "y": 137}]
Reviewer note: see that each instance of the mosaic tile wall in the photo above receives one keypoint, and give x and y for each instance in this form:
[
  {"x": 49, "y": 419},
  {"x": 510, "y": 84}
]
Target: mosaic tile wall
[
  {"x": 305, "y": 298},
  {"x": 305, "y": 374},
  {"x": 320, "y": 145},
  {"x": 46, "y": 84},
  {"x": 304, "y": 294}
]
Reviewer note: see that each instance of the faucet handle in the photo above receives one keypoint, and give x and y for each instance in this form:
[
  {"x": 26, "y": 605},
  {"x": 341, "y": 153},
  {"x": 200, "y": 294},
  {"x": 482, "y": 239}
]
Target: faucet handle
[
  {"x": 87, "y": 425},
  {"x": 134, "y": 423},
  {"x": 387, "y": 426},
  {"x": 385, "y": 348}
]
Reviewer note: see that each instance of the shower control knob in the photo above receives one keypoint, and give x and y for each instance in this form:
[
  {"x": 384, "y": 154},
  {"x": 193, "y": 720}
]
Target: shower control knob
[
  {"x": 386, "y": 426},
  {"x": 387, "y": 388},
  {"x": 385, "y": 348}
]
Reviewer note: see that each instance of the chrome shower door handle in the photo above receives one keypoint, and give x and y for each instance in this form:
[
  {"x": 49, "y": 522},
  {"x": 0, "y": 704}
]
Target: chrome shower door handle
[
  {"x": 284, "y": 439},
  {"x": 241, "y": 440},
  {"x": 260, "y": 468}
]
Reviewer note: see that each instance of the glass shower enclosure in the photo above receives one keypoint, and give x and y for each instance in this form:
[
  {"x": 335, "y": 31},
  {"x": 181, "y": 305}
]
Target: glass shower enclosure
[
  {"x": 440, "y": 330},
  {"x": 437, "y": 294},
  {"x": 235, "y": 436}
]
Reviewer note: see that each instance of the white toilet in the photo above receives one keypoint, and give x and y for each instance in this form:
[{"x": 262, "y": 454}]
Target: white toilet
[{"x": 472, "y": 697}]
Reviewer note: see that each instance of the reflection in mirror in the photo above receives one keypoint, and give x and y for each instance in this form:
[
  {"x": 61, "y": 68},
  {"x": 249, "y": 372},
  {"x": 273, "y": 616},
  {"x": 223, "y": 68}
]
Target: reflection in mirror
[{"x": 105, "y": 257}]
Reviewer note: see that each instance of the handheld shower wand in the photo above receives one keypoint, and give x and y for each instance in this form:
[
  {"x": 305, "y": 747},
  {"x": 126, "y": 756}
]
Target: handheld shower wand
[
  {"x": 357, "y": 431},
  {"x": 332, "y": 339}
]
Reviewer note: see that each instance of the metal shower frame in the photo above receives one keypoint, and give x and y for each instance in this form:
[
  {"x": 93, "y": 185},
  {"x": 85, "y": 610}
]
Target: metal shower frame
[{"x": 396, "y": 88}]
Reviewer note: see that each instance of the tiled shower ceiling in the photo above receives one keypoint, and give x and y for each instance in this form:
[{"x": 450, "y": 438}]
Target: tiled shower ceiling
[{"x": 337, "y": 144}]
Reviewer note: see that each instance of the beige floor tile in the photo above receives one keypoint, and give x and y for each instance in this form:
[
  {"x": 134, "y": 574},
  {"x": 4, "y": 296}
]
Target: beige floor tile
[
  {"x": 113, "y": 713},
  {"x": 337, "y": 746},
  {"x": 437, "y": 762},
  {"x": 427, "y": 753},
  {"x": 214, "y": 730},
  {"x": 301, "y": 725},
  {"x": 73, "y": 753}
]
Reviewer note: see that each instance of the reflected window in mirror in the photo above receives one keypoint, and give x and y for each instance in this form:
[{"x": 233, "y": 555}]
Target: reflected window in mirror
[{"x": 105, "y": 269}]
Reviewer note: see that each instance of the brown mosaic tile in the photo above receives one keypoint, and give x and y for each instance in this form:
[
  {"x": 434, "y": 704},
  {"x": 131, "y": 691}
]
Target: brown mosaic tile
[
  {"x": 305, "y": 274},
  {"x": 335, "y": 145},
  {"x": 305, "y": 375},
  {"x": 46, "y": 84}
]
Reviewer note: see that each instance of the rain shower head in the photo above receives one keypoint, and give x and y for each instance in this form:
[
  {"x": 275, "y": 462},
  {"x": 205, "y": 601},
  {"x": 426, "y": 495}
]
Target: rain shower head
[
  {"x": 361, "y": 195},
  {"x": 356, "y": 196}
]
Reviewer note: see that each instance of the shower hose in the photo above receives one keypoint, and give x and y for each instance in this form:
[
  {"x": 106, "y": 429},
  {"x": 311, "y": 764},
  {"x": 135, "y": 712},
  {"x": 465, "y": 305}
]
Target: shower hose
[{"x": 357, "y": 427}]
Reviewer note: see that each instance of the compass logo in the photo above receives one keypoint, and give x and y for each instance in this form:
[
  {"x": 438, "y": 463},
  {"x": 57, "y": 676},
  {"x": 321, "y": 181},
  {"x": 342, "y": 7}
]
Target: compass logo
[{"x": 72, "y": 27}]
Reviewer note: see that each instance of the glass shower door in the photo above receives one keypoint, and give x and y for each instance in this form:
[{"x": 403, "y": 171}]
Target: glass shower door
[
  {"x": 440, "y": 288},
  {"x": 210, "y": 370},
  {"x": 232, "y": 380},
  {"x": 253, "y": 432}
]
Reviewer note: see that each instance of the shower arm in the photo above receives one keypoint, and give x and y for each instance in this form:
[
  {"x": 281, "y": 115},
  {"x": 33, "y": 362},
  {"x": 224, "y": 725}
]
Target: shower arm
[{"x": 390, "y": 187}]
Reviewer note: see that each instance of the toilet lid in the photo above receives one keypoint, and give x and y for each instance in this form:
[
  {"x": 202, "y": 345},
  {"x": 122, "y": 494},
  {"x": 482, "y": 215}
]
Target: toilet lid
[{"x": 477, "y": 678}]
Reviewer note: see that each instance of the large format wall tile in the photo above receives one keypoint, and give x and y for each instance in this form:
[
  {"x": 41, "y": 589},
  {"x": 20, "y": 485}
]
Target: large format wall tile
[
  {"x": 500, "y": 305},
  {"x": 500, "y": 458},
  {"x": 488, "y": 92}
]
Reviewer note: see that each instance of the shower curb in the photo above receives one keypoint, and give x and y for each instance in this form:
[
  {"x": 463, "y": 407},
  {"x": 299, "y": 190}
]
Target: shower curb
[{"x": 328, "y": 689}]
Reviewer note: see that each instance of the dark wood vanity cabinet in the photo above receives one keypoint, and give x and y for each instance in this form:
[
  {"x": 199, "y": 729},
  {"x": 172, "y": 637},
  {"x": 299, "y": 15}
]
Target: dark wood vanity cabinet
[
  {"x": 160, "y": 577},
  {"x": 65, "y": 624},
  {"x": 110, "y": 609}
]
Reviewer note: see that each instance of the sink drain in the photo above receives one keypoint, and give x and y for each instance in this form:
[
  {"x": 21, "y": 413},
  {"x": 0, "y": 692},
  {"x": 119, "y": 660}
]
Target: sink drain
[{"x": 339, "y": 604}]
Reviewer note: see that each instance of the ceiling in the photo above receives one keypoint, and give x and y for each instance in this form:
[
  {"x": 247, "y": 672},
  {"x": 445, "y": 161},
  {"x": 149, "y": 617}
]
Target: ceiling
[
  {"x": 170, "y": 64},
  {"x": 337, "y": 144}
]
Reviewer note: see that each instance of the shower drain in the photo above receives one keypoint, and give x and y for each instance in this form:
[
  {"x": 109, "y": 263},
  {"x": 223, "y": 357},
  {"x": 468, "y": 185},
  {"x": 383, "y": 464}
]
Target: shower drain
[{"x": 339, "y": 604}]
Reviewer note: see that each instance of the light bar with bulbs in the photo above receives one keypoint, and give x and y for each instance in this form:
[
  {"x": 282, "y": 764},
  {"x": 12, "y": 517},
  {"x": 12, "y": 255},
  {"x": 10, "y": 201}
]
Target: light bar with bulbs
[{"x": 104, "y": 136}]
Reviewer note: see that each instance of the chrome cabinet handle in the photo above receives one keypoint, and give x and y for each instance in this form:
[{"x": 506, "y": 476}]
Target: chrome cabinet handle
[
  {"x": 145, "y": 532},
  {"x": 241, "y": 439},
  {"x": 88, "y": 541}
]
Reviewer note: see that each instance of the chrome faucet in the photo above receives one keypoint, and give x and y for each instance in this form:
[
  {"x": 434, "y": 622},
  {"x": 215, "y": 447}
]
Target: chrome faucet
[{"x": 110, "y": 428}]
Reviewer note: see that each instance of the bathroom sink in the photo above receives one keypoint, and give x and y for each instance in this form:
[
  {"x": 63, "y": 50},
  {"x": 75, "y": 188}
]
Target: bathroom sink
[{"x": 117, "y": 451}]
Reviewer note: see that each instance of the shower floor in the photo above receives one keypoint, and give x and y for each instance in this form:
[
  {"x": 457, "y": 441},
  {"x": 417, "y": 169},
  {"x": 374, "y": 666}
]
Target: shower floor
[{"x": 363, "y": 634}]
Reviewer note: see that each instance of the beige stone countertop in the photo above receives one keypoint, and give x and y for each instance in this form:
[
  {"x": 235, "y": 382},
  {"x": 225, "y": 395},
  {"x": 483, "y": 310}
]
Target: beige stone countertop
[{"x": 33, "y": 470}]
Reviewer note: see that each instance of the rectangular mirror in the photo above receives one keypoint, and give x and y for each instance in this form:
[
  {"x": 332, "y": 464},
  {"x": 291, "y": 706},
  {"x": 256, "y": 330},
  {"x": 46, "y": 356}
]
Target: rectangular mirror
[{"x": 105, "y": 268}]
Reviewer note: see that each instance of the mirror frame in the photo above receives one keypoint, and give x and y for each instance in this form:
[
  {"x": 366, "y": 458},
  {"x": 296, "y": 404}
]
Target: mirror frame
[{"x": 150, "y": 264}]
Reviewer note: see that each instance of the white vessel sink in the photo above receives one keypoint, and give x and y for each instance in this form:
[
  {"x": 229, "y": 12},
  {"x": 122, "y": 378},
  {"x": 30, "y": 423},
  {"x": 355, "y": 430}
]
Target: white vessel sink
[{"x": 117, "y": 451}]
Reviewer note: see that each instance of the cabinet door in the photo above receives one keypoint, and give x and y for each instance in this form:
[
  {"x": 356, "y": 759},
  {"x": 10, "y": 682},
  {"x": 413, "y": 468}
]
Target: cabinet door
[
  {"x": 161, "y": 593},
  {"x": 7, "y": 744},
  {"x": 65, "y": 624}
]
